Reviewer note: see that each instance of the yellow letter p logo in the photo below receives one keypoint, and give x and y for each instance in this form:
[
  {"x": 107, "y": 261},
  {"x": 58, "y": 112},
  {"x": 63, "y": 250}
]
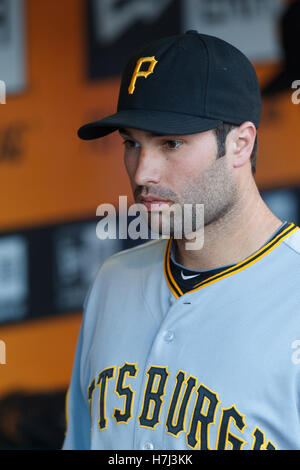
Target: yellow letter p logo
[{"x": 138, "y": 73}]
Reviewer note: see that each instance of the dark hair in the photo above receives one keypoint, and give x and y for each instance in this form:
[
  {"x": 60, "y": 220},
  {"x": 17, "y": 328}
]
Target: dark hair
[{"x": 221, "y": 133}]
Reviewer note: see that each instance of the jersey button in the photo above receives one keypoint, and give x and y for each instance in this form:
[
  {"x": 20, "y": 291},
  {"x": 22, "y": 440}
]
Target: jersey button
[
  {"x": 169, "y": 336},
  {"x": 148, "y": 446}
]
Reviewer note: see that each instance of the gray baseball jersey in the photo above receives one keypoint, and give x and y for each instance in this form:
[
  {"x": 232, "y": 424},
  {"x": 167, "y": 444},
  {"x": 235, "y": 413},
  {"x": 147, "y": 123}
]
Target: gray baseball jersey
[{"x": 217, "y": 367}]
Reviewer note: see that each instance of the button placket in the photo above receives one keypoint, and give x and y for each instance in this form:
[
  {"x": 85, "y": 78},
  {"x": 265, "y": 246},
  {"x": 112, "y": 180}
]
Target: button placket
[
  {"x": 168, "y": 336},
  {"x": 164, "y": 337}
]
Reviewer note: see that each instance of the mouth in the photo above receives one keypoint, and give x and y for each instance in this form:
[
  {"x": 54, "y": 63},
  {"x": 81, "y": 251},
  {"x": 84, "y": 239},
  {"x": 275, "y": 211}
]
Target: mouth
[{"x": 153, "y": 203}]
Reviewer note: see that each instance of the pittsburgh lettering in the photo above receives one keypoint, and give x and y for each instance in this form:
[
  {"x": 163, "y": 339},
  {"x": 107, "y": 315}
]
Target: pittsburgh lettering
[{"x": 203, "y": 417}]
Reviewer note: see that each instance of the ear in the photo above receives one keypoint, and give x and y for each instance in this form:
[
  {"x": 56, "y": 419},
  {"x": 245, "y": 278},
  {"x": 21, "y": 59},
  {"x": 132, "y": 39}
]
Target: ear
[{"x": 242, "y": 142}]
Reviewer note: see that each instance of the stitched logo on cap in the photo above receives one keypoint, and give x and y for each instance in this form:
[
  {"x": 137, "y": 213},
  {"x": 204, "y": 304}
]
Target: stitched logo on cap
[{"x": 141, "y": 73}]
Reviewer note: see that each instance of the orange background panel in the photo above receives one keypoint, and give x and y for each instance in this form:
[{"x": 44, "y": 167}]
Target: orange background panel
[
  {"x": 278, "y": 162},
  {"x": 39, "y": 354},
  {"x": 56, "y": 176}
]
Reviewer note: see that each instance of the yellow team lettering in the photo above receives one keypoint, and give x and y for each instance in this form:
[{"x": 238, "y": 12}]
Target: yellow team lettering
[
  {"x": 153, "y": 396},
  {"x": 203, "y": 414},
  {"x": 120, "y": 389},
  {"x": 225, "y": 437},
  {"x": 141, "y": 73}
]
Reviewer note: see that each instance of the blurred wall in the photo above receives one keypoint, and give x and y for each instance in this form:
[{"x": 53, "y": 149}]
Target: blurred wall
[
  {"x": 278, "y": 163},
  {"x": 53, "y": 176},
  {"x": 56, "y": 177}
]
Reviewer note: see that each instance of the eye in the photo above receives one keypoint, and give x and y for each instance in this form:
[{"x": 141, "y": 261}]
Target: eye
[
  {"x": 173, "y": 144},
  {"x": 130, "y": 144}
]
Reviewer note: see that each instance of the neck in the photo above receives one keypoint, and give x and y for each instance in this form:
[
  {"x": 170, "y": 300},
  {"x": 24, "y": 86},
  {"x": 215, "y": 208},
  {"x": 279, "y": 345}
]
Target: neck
[{"x": 234, "y": 237}]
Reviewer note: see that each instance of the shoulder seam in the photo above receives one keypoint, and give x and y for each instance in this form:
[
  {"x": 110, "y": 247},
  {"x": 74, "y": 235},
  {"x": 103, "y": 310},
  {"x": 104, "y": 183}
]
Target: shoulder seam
[
  {"x": 291, "y": 247},
  {"x": 138, "y": 247},
  {"x": 289, "y": 241}
]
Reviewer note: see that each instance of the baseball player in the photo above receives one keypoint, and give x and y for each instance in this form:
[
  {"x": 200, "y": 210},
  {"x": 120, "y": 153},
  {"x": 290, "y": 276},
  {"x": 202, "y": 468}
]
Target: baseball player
[{"x": 182, "y": 348}]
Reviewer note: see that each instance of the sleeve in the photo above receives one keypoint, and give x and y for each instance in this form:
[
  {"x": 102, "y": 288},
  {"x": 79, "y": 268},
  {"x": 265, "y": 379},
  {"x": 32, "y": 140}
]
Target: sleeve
[{"x": 78, "y": 420}]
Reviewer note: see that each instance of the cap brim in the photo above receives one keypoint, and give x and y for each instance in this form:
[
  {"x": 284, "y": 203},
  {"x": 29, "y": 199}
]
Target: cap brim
[{"x": 159, "y": 122}]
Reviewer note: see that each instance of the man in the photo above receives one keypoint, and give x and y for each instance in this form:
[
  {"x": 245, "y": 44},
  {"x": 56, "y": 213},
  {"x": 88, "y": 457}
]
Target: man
[{"x": 182, "y": 348}]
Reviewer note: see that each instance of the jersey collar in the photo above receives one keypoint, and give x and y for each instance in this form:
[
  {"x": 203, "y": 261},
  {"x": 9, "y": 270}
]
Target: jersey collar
[{"x": 275, "y": 241}]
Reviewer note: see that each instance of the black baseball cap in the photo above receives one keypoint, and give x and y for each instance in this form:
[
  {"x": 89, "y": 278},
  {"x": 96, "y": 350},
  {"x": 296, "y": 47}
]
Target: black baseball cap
[{"x": 183, "y": 84}]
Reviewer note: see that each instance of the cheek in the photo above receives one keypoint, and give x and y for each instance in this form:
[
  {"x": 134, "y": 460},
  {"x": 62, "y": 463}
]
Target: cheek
[
  {"x": 199, "y": 178},
  {"x": 182, "y": 173},
  {"x": 130, "y": 166}
]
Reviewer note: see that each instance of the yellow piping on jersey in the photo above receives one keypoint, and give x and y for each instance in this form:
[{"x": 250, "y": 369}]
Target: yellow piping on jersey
[
  {"x": 168, "y": 273},
  {"x": 291, "y": 228},
  {"x": 66, "y": 410}
]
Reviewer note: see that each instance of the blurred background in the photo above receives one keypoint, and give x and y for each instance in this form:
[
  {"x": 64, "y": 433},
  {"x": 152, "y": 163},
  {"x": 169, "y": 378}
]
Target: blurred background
[{"x": 60, "y": 65}]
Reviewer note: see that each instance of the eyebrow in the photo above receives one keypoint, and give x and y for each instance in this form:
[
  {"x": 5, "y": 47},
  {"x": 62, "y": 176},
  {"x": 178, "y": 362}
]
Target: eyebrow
[{"x": 152, "y": 134}]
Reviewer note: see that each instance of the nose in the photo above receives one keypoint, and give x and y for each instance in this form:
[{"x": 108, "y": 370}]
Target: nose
[{"x": 148, "y": 168}]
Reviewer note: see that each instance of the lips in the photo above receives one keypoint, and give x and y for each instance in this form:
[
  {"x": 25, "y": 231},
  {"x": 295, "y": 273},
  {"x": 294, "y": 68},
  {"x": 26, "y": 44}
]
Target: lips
[{"x": 154, "y": 203}]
